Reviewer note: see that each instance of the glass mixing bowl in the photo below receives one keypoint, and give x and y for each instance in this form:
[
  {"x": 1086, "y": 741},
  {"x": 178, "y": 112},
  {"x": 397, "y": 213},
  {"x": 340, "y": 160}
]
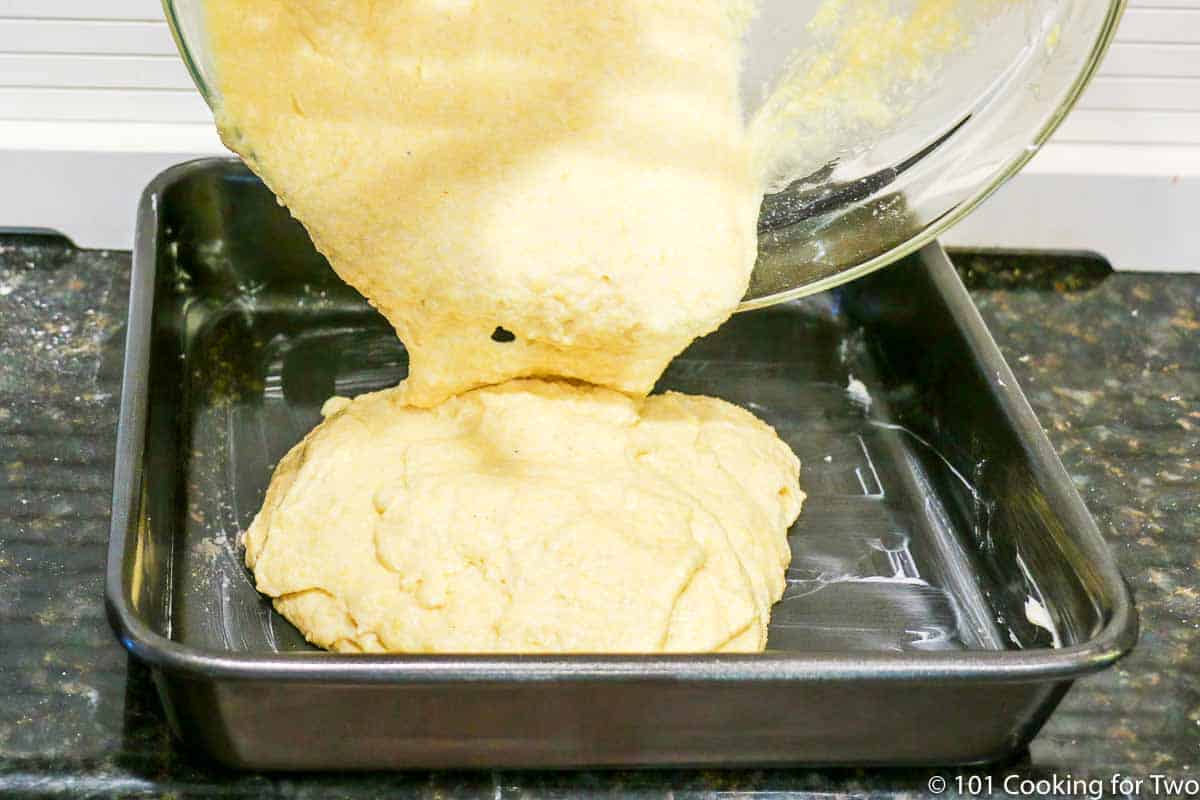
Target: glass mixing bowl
[{"x": 879, "y": 123}]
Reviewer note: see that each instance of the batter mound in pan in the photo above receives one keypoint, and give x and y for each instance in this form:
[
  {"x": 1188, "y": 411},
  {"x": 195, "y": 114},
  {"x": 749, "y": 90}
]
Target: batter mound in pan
[{"x": 531, "y": 517}]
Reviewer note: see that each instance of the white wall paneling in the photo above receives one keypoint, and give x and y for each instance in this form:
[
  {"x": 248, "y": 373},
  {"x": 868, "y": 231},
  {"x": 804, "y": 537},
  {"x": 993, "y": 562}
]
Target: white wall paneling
[
  {"x": 103, "y": 71},
  {"x": 94, "y": 102},
  {"x": 82, "y": 36},
  {"x": 1137, "y": 206},
  {"x": 1122, "y": 175}
]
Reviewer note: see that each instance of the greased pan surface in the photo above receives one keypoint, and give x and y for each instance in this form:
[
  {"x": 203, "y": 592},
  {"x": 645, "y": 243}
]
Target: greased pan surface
[{"x": 947, "y": 582}]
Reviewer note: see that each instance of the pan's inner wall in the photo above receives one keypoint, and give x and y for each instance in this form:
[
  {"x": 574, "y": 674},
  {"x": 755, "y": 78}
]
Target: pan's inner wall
[{"x": 916, "y": 513}]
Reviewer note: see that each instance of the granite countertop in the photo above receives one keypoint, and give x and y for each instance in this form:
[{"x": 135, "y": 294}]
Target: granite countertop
[{"x": 1111, "y": 364}]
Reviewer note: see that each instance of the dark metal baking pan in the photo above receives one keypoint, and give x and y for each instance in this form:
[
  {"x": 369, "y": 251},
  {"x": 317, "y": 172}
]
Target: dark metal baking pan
[{"x": 947, "y": 582}]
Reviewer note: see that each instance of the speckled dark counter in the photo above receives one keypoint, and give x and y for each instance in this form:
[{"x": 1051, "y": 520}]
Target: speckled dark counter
[{"x": 1111, "y": 363}]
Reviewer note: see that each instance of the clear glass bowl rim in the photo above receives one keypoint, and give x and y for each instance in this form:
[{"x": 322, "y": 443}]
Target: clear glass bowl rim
[{"x": 924, "y": 236}]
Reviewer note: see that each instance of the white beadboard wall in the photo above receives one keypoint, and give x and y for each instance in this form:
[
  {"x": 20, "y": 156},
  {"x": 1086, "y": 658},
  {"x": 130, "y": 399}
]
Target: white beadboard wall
[{"x": 94, "y": 102}]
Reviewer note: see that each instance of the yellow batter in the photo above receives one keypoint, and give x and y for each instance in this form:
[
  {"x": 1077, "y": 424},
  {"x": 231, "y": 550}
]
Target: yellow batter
[
  {"x": 531, "y": 517},
  {"x": 522, "y": 187}
]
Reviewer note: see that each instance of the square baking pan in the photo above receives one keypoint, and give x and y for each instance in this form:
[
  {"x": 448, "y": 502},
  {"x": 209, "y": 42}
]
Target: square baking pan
[{"x": 947, "y": 583}]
